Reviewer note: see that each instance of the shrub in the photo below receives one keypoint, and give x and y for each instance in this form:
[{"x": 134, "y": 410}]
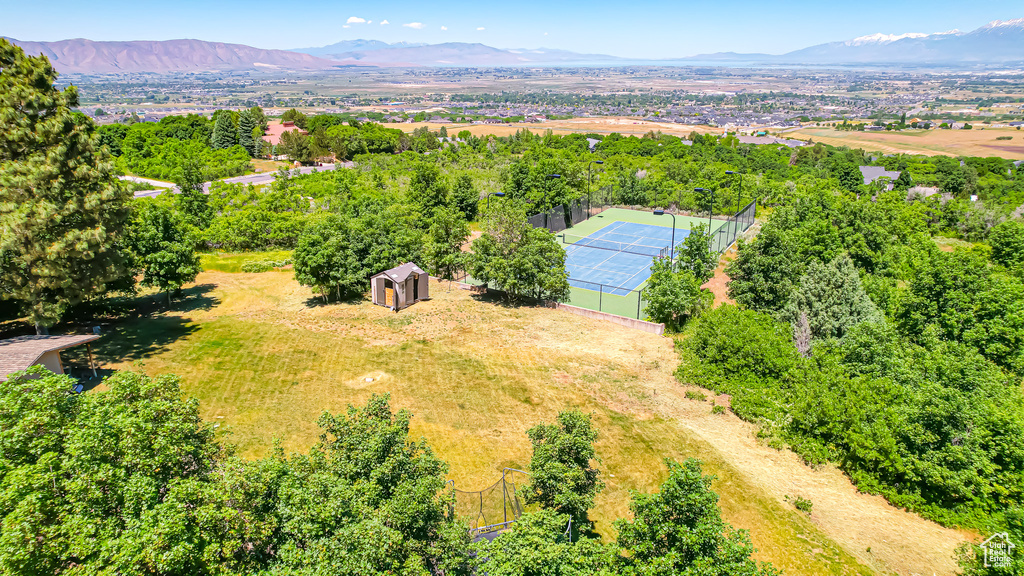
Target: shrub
[
  {"x": 253, "y": 266},
  {"x": 718, "y": 409},
  {"x": 695, "y": 395},
  {"x": 803, "y": 504}
]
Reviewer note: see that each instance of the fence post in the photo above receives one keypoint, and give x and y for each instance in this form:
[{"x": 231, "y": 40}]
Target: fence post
[
  {"x": 639, "y": 300},
  {"x": 600, "y": 297}
]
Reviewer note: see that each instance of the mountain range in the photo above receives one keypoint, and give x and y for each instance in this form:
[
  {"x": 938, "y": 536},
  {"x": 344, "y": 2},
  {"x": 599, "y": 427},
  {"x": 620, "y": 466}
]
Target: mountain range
[{"x": 998, "y": 43}]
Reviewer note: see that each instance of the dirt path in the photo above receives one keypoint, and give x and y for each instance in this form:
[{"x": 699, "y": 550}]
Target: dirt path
[{"x": 867, "y": 527}]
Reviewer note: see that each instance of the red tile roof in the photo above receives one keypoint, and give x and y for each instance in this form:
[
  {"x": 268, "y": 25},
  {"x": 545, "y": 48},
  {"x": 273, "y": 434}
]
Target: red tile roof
[
  {"x": 275, "y": 129},
  {"x": 17, "y": 354}
]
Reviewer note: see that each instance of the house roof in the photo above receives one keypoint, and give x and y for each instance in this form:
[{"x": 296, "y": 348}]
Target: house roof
[
  {"x": 771, "y": 140},
  {"x": 400, "y": 273},
  {"x": 872, "y": 173},
  {"x": 276, "y": 129},
  {"x": 20, "y": 352}
]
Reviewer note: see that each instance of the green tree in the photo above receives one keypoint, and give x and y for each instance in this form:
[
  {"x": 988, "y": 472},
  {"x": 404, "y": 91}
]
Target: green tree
[
  {"x": 225, "y": 135},
  {"x": 163, "y": 246},
  {"x": 193, "y": 202},
  {"x": 832, "y": 298},
  {"x": 297, "y": 146},
  {"x": 680, "y": 532},
  {"x": 366, "y": 500},
  {"x": 695, "y": 254},
  {"x": 465, "y": 196},
  {"x": 427, "y": 188},
  {"x": 247, "y": 126},
  {"x": 81, "y": 489},
  {"x": 519, "y": 259},
  {"x": 849, "y": 176},
  {"x": 62, "y": 212},
  {"x": 562, "y": 476},
  {"x": 764, "y": 271},
  {"x": 1007, "y": 241},
  {"x": 295, "y": 116},
  {"x": 903, "y": 182},
  {"x": 673, "y": 295},
  {"x": 325, "y": 260},
  {"x": 448, "y": 233},
  {"x": 538, "y": 543}
]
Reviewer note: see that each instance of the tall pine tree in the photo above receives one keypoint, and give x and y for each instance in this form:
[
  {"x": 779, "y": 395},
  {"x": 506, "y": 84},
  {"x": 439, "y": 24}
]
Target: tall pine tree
[
  {"x": 62, "y": 212},
  {"x": 223, "y": 130},
  {"x": 246, "y": 128}
]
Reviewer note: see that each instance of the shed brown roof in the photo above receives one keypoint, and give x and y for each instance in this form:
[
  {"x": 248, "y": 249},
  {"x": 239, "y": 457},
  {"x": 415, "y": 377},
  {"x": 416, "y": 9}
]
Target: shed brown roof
[
  {"x": 400, "y": 273},
  {"x": 18, "y": 353}
]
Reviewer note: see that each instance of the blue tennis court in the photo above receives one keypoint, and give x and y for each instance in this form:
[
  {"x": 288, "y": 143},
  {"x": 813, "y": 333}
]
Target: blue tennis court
[{"x": 619, "y": 255}]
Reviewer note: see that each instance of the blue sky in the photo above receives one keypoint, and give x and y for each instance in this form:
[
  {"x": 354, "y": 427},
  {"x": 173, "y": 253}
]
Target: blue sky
[{"x": 638, "y": 28}]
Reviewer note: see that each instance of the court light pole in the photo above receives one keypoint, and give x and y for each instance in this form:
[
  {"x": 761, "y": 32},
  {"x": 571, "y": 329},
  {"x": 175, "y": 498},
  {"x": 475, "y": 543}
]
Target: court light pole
[
  {"x": 711, "y": 205},
  {"x": 546, "y": 223},
  {"x": 589, "y": 164},
  {"x": 672, "y": 248},
  {"x": 498, "y": 194},
  {"x": 739, "y": 194}
]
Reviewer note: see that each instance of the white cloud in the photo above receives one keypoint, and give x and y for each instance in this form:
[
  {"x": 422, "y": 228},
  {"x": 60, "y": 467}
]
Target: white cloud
[
  {"x": 480, "y": 28},
  {"x": 345, "y": 26},
  {"x": 355, "y": 20},
  {"x": 415, "y": 25},
  {"x": 384, "y": 22},
  {"x": 444, "y": 27},
  {"x": 545, "y": 33}
]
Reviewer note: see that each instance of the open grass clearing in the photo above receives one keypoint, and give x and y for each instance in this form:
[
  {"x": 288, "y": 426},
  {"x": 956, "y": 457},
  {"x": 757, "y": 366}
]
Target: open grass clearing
[
  {"x": 976, "y": 142},
  {"x": 265, "y": 359},
  {"x": 233, "y": 261}
]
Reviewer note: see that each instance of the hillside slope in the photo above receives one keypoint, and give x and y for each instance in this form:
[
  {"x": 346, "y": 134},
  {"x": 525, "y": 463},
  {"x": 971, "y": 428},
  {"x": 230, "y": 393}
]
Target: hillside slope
[
  {"x": 89, "y": 57},
  {"x": 265, "y": 358}
]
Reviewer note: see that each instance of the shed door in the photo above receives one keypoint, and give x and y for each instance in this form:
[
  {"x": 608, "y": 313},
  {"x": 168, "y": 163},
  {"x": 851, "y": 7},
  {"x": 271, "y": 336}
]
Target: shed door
[
  {"x": 416, "y": 288},
  {"x": 389, "y": 293}
]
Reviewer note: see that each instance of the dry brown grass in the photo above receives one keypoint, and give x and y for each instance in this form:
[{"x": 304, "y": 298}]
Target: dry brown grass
[
  {"x": 263, "y": 165},
  {"x": 265, "y": 359},
  {"x": 600, "y": 125},
  {"x": 976, "y": 142}
]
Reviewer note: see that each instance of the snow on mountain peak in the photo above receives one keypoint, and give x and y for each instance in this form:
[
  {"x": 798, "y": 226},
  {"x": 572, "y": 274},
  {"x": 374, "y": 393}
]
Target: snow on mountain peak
[
  {"x": 883, "y": 38},
  {"x": 1015, "y": 23}
]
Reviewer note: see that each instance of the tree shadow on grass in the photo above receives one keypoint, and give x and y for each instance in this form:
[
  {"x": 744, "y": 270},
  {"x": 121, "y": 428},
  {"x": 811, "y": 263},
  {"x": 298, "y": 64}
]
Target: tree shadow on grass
[
  {"x": 499, "y": 298},
  {"x": 142, "y": 338},
  {"x": 142, "y": 328},
  {"x": 317, "y": 301}
]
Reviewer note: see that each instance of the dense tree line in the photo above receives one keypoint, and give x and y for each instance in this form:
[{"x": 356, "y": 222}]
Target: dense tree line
[{"x": 859, "y": 341}]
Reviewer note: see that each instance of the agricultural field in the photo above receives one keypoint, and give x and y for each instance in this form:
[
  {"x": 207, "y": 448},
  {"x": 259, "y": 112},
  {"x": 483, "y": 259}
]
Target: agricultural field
[
  {"x": 265, "y": 359},
  {"x": 977, "y": 142}
]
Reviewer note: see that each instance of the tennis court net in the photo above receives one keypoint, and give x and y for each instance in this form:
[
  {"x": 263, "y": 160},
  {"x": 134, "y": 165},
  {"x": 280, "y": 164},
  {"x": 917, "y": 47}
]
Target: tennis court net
[{"x": 633, "y": 248}]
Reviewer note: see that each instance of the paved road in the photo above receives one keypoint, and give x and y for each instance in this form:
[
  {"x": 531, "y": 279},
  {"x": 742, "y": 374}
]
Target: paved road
[
  {"x": 150, "y": 181},
  {"x": 263, "y": 178}
]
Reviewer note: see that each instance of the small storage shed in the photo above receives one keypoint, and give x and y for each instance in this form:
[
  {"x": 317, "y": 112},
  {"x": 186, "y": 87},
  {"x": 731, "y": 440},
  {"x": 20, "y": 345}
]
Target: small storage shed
[{"x": 400, "y": 287}]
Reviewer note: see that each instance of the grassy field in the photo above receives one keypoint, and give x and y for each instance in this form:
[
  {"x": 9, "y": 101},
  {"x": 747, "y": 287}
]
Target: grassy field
[
  {"x": 265, "y": 358},
  {"x": 598, "y": 125},
  {"x": 232, "y": 262},
  {"x": 976, "y": 142}
]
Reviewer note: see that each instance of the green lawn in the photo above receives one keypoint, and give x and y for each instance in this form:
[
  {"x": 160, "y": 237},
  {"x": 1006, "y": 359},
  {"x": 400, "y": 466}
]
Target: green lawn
[{"x": 232, "y": 262}]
